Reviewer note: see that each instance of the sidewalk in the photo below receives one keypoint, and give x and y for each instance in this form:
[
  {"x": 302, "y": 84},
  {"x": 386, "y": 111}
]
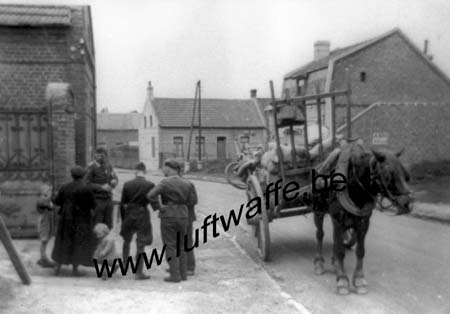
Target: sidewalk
[{"x": 226, "y": 281}]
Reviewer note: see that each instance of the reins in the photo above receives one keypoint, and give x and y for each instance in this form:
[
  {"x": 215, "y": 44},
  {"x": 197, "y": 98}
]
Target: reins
[{"x": 375, "y": 177}]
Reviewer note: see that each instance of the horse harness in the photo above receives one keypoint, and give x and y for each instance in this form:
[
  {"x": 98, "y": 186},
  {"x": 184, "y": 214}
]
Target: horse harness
[
  {"x": 376, "y": 178},
  {"x": 342, "y": 196}
]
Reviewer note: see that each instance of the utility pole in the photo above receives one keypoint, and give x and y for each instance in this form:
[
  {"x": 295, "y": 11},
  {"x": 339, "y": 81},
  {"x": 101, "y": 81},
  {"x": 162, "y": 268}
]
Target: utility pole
[
  {"x": 192, "y": 124},
  {"x": 199, "y": 123}
]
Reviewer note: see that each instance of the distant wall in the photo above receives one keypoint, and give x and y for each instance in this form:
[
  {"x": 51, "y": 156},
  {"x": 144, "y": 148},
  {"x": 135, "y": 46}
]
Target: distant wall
[
  {"x": 113, "y": 138},
  {"x": 422, "y": 129},
  {"x": 124, "y": 156}
]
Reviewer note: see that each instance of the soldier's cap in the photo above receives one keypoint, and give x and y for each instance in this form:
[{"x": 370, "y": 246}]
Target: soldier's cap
[
  {"x": 140, "y": 167},
  {"x": 172, "y": 163},
  {"x": 77, "y": 172},
  {"x": 101, "y": 150}
]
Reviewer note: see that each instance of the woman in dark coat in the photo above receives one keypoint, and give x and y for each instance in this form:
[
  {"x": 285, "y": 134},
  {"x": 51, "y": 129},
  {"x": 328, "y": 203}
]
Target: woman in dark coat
[{"x": 74, "y": 241}]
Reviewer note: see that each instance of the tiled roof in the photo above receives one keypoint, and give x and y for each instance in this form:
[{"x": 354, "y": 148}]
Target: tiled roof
[
  {"x": 34, "y": 15},
  {"x": 335, "y": 54},
  {"x": 119, "y": 121},
  {"x": 215, "y": 113},
  {"x": 321, "y": 63}
]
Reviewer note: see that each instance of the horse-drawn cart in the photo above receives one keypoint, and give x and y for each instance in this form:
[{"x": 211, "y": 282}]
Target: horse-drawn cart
[{"x": 289, "y": 163}]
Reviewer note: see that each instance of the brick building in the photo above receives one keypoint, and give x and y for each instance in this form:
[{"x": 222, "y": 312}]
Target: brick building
[
  {"x": 47, "y": 102},
  {"x": 388, "y": 68},
  {"x": 41, "y": 44},
  {"x": 424, "y": 131},
  {"x": 225, "y": 124},
  {"x": 400, "y": 98}
]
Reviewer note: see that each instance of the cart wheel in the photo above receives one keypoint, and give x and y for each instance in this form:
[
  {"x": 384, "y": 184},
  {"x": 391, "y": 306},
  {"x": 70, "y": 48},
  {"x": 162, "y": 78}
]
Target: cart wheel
[
  {"x": 349, "y": 238},
  {"x": 232, "y": 178},
  {"x": 262, "y": 229}
]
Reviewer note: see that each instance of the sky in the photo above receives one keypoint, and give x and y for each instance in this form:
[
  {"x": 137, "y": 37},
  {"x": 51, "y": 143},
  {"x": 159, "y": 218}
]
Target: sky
[{"x": 234, "y": 46}]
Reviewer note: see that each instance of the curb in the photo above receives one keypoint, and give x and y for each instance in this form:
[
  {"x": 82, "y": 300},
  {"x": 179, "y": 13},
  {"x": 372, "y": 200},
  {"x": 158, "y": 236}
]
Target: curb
[{"x": 430, "y": 218}]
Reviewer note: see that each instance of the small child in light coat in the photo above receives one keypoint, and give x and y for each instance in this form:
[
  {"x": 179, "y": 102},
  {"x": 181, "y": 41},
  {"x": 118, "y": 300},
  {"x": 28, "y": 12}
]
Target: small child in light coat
[
  {"x": 106, "y": 248},
  {"x": 46, "y": 223}
]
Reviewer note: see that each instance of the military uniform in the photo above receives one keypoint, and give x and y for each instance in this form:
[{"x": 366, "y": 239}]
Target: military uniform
[
  {"x": 134, "y": 212},
  {"x": 191, "y": 218},
  {"x": 175, "y": 194},
  {"x": 96, "y": 176}
]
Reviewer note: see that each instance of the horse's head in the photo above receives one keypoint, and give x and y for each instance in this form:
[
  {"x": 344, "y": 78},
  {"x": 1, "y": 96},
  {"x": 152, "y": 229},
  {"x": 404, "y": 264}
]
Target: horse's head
[{"x": 391, "y": 178}]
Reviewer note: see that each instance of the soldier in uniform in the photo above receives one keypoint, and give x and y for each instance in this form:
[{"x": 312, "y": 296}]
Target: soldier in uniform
[
  {"x": 101, "y": 178},
  {"x": 191, "y": 218},
  {"x": 175, "y": 194},
  {"x": 136, "y": 217}
]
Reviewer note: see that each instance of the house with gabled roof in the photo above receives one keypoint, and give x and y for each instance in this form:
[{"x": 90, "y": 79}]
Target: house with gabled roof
[
  {"x": 388, "y": 68},
  {"x": 400, "y": 98},
  {"x": 226, "y": 126}
]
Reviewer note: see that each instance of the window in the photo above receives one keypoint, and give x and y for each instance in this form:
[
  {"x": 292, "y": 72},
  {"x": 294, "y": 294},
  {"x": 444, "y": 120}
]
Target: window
[
  {"x": 300, "y": 86},
  {"x": 145, "y": 122},
  {"x": 153, "y": 147},
  {"x": 202, "y": 146},
  {"x": 178, "y": 143},
  {"x": 362, "y": 76},
  {"x": 151, "y": 121}
]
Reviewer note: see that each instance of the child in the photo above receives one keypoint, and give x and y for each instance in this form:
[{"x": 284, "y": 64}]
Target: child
[
  {"x": 106, "y": 248},
  {"x": 46, "y": 223}
]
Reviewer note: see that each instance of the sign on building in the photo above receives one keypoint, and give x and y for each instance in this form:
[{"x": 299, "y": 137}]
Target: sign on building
[{"x": 380, "y": 138}]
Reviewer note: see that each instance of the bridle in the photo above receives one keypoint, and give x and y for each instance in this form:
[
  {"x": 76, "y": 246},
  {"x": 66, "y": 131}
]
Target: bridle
[{"x": 377, "y": 179}]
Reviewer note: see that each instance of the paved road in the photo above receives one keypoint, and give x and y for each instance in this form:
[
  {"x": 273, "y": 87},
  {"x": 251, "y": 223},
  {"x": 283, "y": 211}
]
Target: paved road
[{"x": 407, "y": 260}]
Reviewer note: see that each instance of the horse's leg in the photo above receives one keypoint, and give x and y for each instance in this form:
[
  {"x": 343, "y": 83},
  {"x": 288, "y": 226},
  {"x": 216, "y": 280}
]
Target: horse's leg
[
  {"x": 359, "y": 281},
  {"x": 318, "y": 260},
  {"x": 342, "y": 285}
]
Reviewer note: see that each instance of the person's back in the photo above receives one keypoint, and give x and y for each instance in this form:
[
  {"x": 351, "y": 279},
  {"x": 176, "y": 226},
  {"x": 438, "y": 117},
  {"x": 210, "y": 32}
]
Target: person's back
[
  {"x": 135, "y": 191},
  {"x": 135, "y": 215},
  {"x": 175, "y": 191}
]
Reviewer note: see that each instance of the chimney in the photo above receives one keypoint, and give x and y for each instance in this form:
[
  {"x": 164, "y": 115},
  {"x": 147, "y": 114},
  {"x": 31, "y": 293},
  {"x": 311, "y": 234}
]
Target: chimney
[
  {"x": 425, "y": 50},
  {"x": 253, "y": 93},
  {"x": 150, "y": 90},
  {"x": 321, "y": 49}
]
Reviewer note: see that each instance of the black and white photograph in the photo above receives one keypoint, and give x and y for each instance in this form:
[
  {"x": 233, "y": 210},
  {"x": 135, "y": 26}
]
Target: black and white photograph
[{"x": 225, "y": 156}]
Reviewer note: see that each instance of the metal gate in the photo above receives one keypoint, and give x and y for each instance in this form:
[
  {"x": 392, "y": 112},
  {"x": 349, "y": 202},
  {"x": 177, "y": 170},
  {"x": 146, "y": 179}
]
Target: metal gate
[{"x": 25, "y": 164}]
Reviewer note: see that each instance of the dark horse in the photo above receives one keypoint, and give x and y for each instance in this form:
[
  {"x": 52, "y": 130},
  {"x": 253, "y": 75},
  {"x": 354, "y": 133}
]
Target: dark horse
[{"x": 370, "y": 174}]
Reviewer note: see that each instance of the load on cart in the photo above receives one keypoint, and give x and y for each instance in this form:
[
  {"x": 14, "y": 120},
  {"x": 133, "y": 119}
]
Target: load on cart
[
  {"x": 300, "y": 145},
  {"x": 287, "y": 168}
]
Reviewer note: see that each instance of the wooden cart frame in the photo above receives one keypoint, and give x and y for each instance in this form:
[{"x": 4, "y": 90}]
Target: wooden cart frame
[{"x": 254, "y": 187}]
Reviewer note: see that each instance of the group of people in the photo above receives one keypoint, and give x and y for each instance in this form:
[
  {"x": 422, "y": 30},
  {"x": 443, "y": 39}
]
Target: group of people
[{"x": 85, "y": 225}]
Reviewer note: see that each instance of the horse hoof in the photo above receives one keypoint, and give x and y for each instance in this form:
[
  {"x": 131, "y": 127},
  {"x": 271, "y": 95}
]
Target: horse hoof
[
  {"x": 360, "y": 285},
  {"x": 342, "y": 286},
  {"x": 319, "y": 269},
  {"x": 362, "y": 290},
  {"x": 342, "y": 290}
]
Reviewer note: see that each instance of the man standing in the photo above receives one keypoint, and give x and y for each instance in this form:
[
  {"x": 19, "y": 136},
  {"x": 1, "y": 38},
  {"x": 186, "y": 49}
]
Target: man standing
[
  {"x": 136, "y": 217},
  {"x": 191, "y": 218},
  {"x": 102, "y": 179},
  {"x": 175, "y": 194}
]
